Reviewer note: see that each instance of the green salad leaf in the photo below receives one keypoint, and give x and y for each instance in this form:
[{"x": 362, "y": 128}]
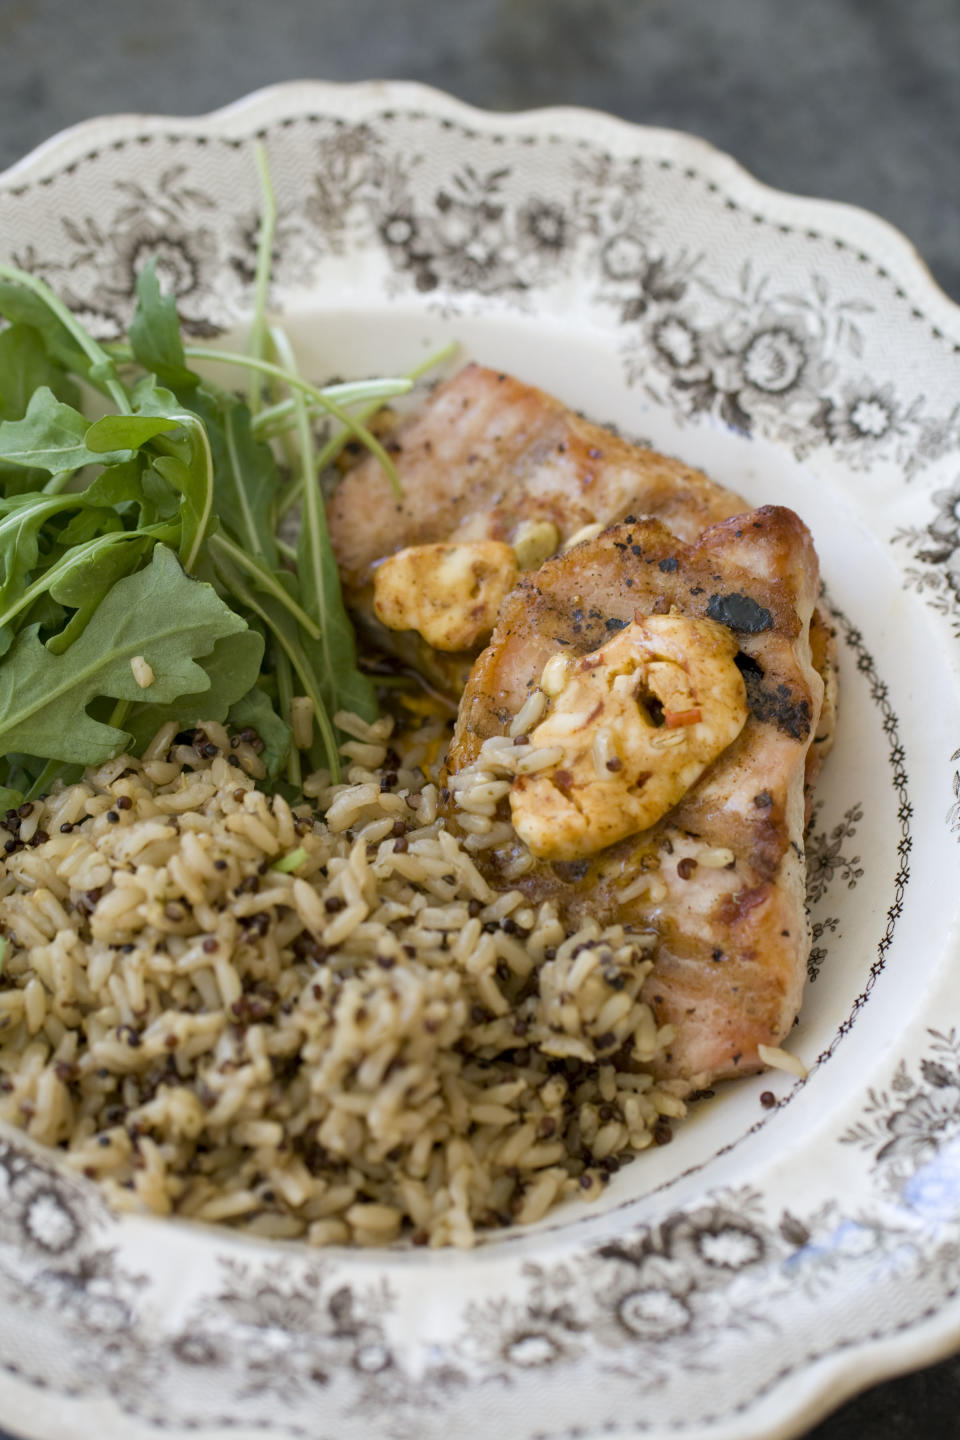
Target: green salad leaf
[
  {"x": 155, "y": 334},
  {"x": 26, "y": 366},
  {"x": 246, "y": 478},
  {"x": 159, "y": 613},
  {"x": 23, "y": 307},
  {"x": 119, "y": 432},
  {"x": 52, "y": 436},
  {"x": 258, "y": 711},
  {"x": 231, "y": 668},
  {"x": 151, "y": 528}
]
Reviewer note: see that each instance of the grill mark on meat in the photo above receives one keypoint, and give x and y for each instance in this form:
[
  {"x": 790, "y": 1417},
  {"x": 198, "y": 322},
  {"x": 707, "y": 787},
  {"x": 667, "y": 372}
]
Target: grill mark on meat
[
  {"x": 739, "y": 612},
  {"x": 778, "y": 706}
]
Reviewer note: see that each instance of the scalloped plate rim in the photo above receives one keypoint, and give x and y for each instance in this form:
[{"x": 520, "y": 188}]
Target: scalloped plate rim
[
  {"x": 569, "y": 117},
  {"x": 843, "y": 1373}
]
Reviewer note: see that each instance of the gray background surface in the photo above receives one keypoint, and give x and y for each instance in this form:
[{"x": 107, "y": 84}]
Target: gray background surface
[{"x": 855, "y": 100}]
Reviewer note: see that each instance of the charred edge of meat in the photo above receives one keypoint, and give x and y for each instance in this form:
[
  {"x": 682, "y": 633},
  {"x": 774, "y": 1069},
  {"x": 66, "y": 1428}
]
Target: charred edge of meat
[
  {"x": 739, "y": 612},
  {"x": 773, "y": 705}
]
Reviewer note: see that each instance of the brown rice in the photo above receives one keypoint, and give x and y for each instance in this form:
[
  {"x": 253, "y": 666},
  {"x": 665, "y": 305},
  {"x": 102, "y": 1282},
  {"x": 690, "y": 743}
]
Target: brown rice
[{"x": 315, "y": 1020}]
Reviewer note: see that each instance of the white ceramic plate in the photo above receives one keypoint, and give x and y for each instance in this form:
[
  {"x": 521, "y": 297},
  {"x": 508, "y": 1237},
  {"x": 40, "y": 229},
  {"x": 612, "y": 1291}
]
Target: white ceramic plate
[{"x": 741, "y": 1281}]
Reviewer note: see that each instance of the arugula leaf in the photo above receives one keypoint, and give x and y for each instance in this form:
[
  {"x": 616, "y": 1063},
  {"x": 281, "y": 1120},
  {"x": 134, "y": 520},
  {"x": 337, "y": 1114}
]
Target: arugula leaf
[
  {"x": 151, "y": 398},
  {"x": 26, "y": 366},
  {"x": 88, "y": 522},
  {"x": 23, "y": 772},
  {"x": 20, "y": 531},
  {"x": 125, "y": 432},
  {"x": 231, "y": 669},
  {"x": 69, "y": 581},
  {"x": 20, "y": 479},
  {"x": 256, "y": 709},
  {"x": 117, "y": 484},
  {"x": 20, "y": 600},
  {"x": 160, "y": 502},
  {"x": 52, "y": 437},
  {"x": 84, "y": 580},
  {"x": 246, "y": 476},
  {"x": 44, "y": 612},
  {"x": 155, "y": 333},
  {"x": 159, "y": 613},
  {"x": 189, "y": 470},
  {"x": 185, "y": 463},
  {"x": 22, "y": 306},
  {"x": 87, "y": 578}
]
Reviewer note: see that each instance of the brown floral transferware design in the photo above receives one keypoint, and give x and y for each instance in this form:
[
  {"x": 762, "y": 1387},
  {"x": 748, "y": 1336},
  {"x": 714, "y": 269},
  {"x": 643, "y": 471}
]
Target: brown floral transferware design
[{"x": 693, "y": 1303}]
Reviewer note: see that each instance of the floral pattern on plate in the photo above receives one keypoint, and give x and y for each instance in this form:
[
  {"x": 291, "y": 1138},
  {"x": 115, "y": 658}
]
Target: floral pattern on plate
[{"x": 696, "y": 1302}]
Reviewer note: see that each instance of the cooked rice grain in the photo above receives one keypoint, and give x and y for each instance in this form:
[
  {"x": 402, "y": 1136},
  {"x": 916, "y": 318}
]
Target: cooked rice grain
[{"x": 350, "y": 1053}]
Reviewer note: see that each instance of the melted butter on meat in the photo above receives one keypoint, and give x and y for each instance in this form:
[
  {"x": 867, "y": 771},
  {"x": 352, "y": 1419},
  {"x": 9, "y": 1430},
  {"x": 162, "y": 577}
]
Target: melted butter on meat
[
  {"x": 449, "y": 593},
  {"x": 634, "y": 725}
]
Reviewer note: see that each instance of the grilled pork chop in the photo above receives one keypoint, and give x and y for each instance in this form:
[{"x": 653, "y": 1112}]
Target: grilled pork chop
[
  {"x": 487, "y": 458},
  {"x": 725, "y": 863},
  {"x": 487, "y": 453}
]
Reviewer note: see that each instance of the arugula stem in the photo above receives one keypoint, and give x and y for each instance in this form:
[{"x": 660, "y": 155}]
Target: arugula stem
[
  {"x": 329, "y": 452},
  {"x": 161, "y": 533},
  {"x": 119, "y": 714},
  {"x": 309, "y": 550},
  {"x": 322, "y": 399},
  {"x": 287, "y": 441},
  {"x": 41, "y": 785},
  {"x": 325, "y": 457},
  {"x": 285, "y": 695},
  {"x": 252, "y": 535},
  {"x": 56, "y": 483},
  {"x": 266, "y": 367},
  {"x": 268, "y": 223},
  {"x": 300, "y": 664},
  {"x": 275, "y": 418},
  {"x": 265, "y": 580},
  {"x": 103, "y": 370}
]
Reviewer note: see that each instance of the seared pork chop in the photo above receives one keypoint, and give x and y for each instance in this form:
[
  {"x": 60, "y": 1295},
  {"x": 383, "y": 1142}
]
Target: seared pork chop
[
  {"x": 720, "y": 876},
  {"x": 487, "y": 457},
  {"x": 487, "y": 453}
]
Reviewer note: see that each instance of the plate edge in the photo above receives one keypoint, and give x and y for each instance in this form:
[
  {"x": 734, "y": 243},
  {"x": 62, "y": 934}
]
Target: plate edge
[{"x": 240, "y": 115}]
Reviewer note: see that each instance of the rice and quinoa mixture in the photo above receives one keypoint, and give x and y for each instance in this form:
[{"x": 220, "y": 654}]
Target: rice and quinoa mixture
[{"x": 317, "y": 1021}]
